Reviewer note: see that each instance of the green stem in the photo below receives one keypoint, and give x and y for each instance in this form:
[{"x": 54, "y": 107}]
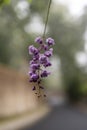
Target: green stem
[{"x": 48, "y": 10}]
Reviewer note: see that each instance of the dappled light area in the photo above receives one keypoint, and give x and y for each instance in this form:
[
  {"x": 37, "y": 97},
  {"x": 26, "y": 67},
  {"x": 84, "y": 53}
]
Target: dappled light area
[{"x": 43, "y": 65}]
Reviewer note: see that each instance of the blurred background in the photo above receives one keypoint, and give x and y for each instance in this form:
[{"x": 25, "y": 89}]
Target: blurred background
[{"x": 21, "y": 21}]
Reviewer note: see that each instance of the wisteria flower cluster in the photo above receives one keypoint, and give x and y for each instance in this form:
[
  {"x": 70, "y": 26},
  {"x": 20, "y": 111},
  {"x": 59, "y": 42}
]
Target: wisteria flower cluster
[{"x": 40, "y": 61}]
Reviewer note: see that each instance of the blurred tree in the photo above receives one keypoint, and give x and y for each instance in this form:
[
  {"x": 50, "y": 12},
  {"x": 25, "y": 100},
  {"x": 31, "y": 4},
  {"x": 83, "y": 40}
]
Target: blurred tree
[
  {"x": 12, "y": 35},
  {"x": 83, "y": 20},
  {"x": 14, "y": 40},
  {"x": 69, "y": 40}
]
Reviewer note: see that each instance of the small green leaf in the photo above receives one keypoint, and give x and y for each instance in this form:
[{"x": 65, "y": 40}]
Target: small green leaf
[
  {"x": 2, "y": 2},
  {"x": 7, "y": 1},
  {"x": 29, "y": 1}
]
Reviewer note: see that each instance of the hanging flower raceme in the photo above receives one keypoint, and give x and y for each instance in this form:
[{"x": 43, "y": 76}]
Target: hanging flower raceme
[{"x": 40, "y": 61}]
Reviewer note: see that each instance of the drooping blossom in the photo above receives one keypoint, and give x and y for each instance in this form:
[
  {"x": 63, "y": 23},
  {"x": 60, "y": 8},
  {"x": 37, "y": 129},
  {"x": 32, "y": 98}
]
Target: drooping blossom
[{"x": 40, "y": 61}]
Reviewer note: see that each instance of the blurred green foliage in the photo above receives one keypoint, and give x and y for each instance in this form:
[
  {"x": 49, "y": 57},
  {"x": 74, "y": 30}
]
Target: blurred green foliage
[
  {"x": 38, "y": 6},
  {"x": 84, "y": 89},
  {"x": 2, "y": 2},
  {"x": 74, "y": 90},
  {"x": 29, "y": 1},
  {"x": 69, "y": 41}
]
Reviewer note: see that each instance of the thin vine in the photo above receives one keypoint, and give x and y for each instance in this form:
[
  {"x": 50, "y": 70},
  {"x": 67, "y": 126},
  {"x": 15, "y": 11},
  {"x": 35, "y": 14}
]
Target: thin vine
[{"x": 46, "y": 22}]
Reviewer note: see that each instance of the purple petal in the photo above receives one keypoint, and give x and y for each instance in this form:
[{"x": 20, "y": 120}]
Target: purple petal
[
  {"x": 45, "y": 73},
  {"x": 39, "y": 40},
  {"x": 50, "y": 41},
  {"x": 34, "y": 88}
]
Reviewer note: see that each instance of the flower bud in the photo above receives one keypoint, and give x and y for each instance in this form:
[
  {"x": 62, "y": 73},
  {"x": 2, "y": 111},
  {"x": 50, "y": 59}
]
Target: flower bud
[
  {"x": 39, "y": 40},
  {"x": 50, "y": 41}
]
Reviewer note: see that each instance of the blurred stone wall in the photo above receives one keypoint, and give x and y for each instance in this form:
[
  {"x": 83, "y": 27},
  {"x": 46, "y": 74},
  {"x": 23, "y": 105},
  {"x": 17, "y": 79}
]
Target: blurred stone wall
[{"x": 16, "y": 95}]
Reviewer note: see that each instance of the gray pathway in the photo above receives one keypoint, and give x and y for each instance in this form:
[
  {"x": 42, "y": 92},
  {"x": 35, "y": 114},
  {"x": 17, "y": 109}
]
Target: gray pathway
[{"x": 62, "y": 118}]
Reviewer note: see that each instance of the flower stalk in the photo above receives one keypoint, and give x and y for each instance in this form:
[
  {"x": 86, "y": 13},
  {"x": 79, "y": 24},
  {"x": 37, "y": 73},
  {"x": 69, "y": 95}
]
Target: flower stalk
[{"x": 48, "y": 11}]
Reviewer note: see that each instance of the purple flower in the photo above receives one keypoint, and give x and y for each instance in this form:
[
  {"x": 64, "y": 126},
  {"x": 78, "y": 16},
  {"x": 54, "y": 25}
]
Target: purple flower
[
  {"x": 34, "y": 77},
  {"x": 32, "y": 62},
  {"x": 33, "y": 50},
  {"x": 34, "y": 88},
  {"x": 43, "y": 59},
  {"x": 40, "y": 60},
  {"x": 47, "y": 64},
  {"x": 31, "y": 72},
  {"x": 50, "y": 41},
  {"x": 45, "y": 73},
  {"x": 39, "y": 40},
  {"x": 36, "y": 57},
  {"x": 34, "y": 66},
  {"x": 45, "y": 47},
  {"x": 49, "y": 53}
]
